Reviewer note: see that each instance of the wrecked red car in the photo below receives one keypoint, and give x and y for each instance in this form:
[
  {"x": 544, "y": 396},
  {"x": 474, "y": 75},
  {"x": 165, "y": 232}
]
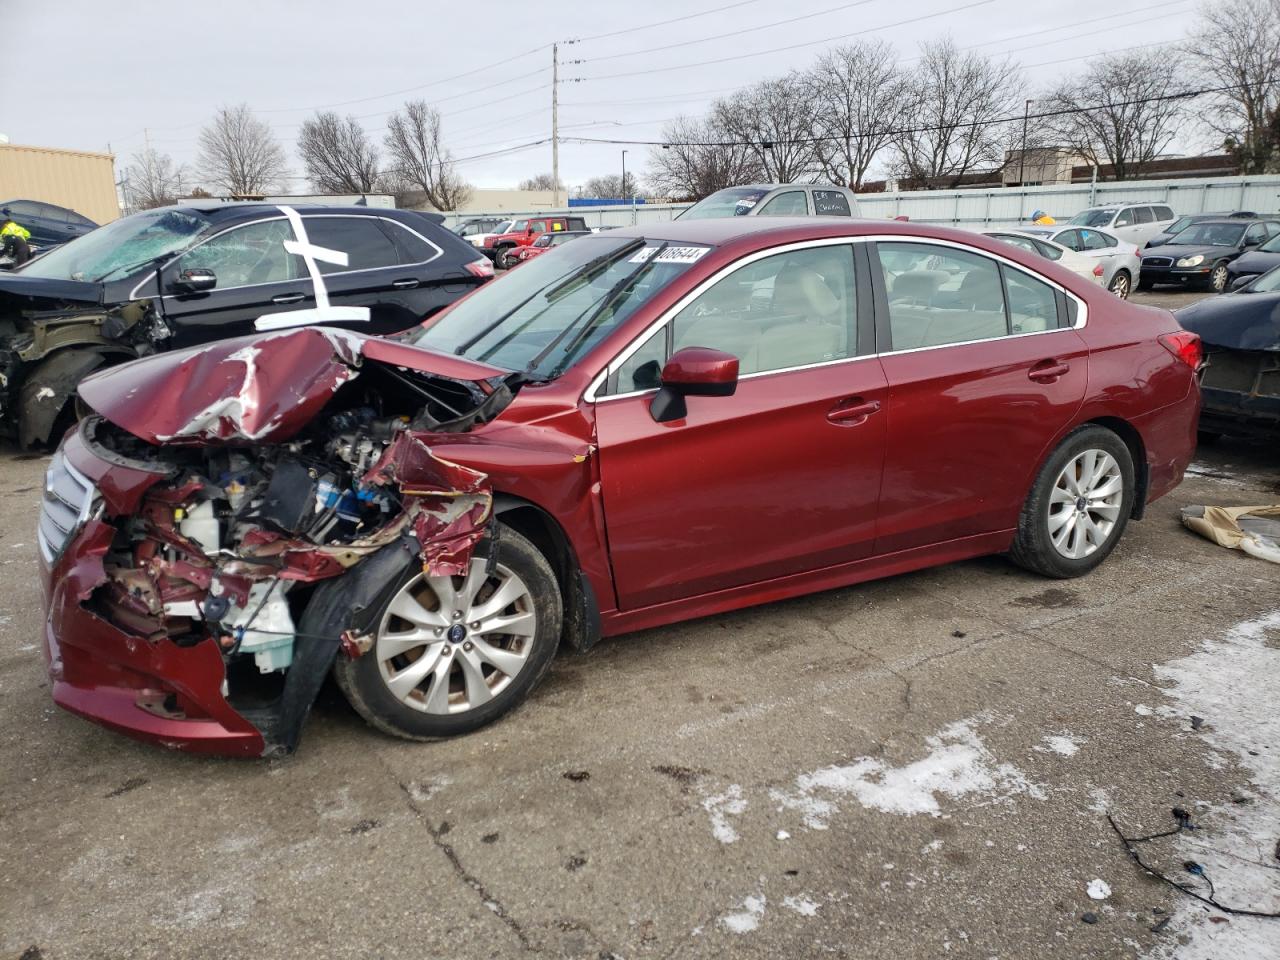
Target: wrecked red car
[{"x": 636, "y": 428}]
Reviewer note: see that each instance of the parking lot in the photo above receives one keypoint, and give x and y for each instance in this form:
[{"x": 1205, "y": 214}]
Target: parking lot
[{"x": 920, "y": 766}]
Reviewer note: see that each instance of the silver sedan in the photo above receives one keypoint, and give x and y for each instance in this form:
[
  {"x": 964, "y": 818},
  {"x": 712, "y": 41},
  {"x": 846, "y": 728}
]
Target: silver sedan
[{"x": 1121, "y": 260}]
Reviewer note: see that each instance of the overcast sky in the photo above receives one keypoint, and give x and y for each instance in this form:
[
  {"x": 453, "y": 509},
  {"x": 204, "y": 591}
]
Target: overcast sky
[{"x": 92, "y": 74}]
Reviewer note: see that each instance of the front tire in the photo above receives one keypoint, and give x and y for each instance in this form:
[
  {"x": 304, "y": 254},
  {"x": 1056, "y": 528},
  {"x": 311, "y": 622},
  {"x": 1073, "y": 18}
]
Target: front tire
[
  {"x": 1121, "y": 285},
  {"x": 1078, "y": 506},
  {"x": 451, "y": 654},
  {"x": 504, "y": 258},
  {"x": 1218, "y": 278}
]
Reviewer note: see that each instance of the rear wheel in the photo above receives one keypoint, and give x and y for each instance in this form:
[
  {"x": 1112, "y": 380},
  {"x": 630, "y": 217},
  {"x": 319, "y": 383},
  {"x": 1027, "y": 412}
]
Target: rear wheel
[
  {"x": 1078, "y": 506},
  {"x": 452, "y": 654},
  {"x": 1121, "y": 285}
]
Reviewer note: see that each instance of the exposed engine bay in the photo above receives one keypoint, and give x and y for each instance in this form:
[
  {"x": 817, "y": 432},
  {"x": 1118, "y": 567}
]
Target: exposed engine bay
[{"x": 229, "y": 545}]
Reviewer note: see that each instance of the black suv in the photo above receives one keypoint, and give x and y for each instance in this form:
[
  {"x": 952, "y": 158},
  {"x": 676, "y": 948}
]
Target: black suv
[{"x": 181, "y": 276}]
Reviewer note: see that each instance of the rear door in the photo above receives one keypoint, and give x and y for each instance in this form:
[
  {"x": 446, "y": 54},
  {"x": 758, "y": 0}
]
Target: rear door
[
  {"x": 983, "y": 370},
  {"x": 780, "y": 478}
]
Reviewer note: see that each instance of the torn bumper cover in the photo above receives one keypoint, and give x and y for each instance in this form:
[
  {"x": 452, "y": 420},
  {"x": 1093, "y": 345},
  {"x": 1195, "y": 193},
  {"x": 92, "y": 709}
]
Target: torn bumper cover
[{"x": 173, "y": 574}]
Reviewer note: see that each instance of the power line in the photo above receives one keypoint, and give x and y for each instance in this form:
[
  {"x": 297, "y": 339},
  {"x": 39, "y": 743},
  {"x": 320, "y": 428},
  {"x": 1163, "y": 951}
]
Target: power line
[
  {"x": 721, "y": 36},
  {"x": 793, "y": 46},
  {"x": 663, "y": 23},
  {"x": 1069, "y": 26}
]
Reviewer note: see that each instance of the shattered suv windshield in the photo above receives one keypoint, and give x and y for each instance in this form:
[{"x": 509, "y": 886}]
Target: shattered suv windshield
[
  {"x": 543, "y": 317},
  {"x": 119, "y": 248}
]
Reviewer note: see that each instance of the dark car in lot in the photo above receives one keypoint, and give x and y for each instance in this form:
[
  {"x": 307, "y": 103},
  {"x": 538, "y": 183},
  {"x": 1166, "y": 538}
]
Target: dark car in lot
[
  {"x": 1200, "y": 255},
  {"x": 635, "y": 428},
  {"x": 49, "y": 224},
  {"x": 181, "y": 276},
  {"x": 1240, "y": 378},
  {"x": 1253, "y": 263},
  {"x": 1188, "y": 219}
]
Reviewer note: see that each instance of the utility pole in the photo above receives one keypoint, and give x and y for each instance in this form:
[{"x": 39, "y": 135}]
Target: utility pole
[
  {"x": 1022, "y": 157},
  {"x": 555, "y": 125},
  {"x": 622, "y": 190}
]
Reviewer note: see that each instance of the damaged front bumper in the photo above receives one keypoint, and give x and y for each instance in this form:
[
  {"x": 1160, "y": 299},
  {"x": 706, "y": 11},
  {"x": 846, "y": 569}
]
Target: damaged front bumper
[{"x": 153, "y": 691}]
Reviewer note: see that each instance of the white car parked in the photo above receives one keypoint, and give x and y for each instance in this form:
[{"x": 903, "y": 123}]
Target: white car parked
[
  {"x": 1121, "y": 259},
  {"x": 1135, "y": 222},
  {"x": 1087, "y": 267}
]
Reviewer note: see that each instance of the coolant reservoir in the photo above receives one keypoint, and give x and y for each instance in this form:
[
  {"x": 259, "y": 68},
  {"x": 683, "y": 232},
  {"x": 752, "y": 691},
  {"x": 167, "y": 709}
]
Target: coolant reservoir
[{"x": 200, "y": 524}]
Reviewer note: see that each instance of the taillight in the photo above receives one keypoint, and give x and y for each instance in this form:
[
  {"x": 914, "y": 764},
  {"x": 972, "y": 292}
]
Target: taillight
[
  {"x": 480, "y": 268},
  {"x": 1097, "y": 270},
  {"x": 1184, "y": 345}
]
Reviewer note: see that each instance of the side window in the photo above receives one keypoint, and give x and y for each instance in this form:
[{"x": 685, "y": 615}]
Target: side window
[
  {"x": 247, "y": 255},
  {"x": 23, "y": 208},
  {"x": 789, "y": 204},
  {"x": 412, "y": 248},
  {"x": 643, "y": 369},
  {"x": 1143, "y": 215},
  {"x": 1071, "y": 240},
  {"x": 831, "y": 203},
  {"x": 1033, "y": 305},
  {"x": 520, "y": 226},
  {"x": 1163, "y": 213},
  {"x": 940, "y": 295},
  {"x": 1272, "y": 228},
  {"x": 360, "y": 238},
  {"x": 1093, "y": 240},
  {"x": 786, "y": 310},
  {"x": 1048, "y": 251},
  {"x": 539, "y": 226},
  {"x": 1124, "y": 218},
  {"x": 1255, "y": 234},
  {"x": 80, "y": 221}
]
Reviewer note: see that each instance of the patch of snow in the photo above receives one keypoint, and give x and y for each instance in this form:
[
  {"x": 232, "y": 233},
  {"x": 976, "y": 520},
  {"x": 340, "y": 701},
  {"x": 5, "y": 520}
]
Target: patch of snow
[
  {"x": 1098, "y": 890},
  {"x": 1143, "y": 710},
  {"x": 1206, "y": 472},
  {"x": 1231, "y": 680},
  {"x": 720, "y": 807},
  {"x": 958, "y": 764},
  {"x": 801, "y": 905},
  {"x": 748, "y": 918},
  {"x": 1063, "y": 744},
  {"x": 783, "y": 835},
  {"x": 44, "y": 393}
]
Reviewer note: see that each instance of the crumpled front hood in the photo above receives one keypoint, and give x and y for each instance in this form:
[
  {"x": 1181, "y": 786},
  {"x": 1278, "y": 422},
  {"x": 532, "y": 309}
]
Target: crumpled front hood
[
  {"x": 36, "y": 293},
  {"x": 1235, "y": 321},
  {"x": 262, "y": 388}
]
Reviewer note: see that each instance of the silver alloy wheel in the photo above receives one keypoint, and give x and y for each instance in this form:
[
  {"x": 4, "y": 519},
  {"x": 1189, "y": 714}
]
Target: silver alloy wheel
[
  {"x": 1218, "y": 279},
  {"x": 447, "y": 645},
  {"x": 1120, "y": 285},
  {"x": 1085, "y": 503}
]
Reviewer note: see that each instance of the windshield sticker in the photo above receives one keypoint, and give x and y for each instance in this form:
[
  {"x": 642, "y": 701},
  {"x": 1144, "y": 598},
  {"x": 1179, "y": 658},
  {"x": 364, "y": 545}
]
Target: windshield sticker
[
  {"x": 748, "y": 203},
  {"x": 643, "y": 255},
  {"x": 682, "y": 254}
]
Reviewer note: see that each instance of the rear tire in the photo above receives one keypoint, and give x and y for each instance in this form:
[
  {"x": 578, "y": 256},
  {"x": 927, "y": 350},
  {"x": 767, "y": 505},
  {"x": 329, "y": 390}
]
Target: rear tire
[
  {"x": 1121, "y": 285},
  {"x": 1078, "y": 506},
  {"x": 421, "y": 682}
]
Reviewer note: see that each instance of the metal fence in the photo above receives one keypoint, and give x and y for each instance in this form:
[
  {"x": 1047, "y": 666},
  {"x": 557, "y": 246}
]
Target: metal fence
[{"x": 976, "y": 209}]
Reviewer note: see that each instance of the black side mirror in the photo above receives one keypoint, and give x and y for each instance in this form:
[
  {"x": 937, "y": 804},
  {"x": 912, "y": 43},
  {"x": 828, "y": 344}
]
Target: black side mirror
[
  {"x": 195, "y": 280},
  {"x": 1239, "y": 282}
]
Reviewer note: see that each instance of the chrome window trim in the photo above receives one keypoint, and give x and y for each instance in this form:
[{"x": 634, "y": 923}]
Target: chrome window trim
[
  {"x": 597, "y": 383},
  {"x": 133, "y": 294}
]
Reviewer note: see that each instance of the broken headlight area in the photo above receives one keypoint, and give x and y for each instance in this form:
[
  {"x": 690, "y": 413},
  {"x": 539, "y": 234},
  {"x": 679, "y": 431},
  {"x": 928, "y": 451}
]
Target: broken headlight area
[{"x": 230, "y": 546}]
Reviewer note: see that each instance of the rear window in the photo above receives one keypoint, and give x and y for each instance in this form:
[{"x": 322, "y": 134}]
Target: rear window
[
  {"x": 831, "y": 203},
  {"x": 1162, "y": 213}
]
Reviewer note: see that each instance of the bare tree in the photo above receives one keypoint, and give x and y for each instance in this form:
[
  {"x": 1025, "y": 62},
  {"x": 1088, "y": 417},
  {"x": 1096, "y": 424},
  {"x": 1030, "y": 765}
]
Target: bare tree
[
  {"x": 238, "y": 154},
  {"x": 775, "y": 119},
  {"x": 1116, "y": 121},
  {"x": 339, "y": 157},
  {"x": 543, "y": 181},
  {"x": 1236, "y": 44},
  {"x": 862, "y": 96},
  {"x": 415, "y": 145},
  {"x": 960, "y": 99},
  {"x": 610, "y": 186},
  {"x": 152, "y": 180},
  {"x": 699, "y": 158}
]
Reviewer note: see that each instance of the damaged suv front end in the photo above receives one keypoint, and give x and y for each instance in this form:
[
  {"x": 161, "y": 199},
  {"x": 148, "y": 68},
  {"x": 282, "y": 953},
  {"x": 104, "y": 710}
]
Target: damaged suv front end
[{"x": 194, "y": 522}]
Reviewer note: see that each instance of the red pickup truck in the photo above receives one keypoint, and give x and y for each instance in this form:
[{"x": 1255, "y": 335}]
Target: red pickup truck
[{"x": 500, "y": 246}]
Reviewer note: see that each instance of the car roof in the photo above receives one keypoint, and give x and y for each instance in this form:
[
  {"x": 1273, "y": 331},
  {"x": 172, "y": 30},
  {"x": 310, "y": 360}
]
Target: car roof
[
  {"x": 1228, "y": 222},
  {"x": 766, "y": 231},
  {"x": 222, "y": 213}
]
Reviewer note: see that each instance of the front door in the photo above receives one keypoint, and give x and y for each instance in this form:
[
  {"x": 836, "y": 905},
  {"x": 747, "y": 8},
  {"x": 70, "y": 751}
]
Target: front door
[
  {"x": 780, "y": 478},
  {"x": 983, "y": 371}
]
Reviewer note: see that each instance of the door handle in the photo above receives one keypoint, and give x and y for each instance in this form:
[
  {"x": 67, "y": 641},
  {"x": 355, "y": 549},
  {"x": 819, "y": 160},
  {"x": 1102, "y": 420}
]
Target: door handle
[
  {"x": 289, "y": 298},
  {"x": 1048, "y": 371},
  {"x": 851, "y": 412},
  {"x": 405, "y": 284}
]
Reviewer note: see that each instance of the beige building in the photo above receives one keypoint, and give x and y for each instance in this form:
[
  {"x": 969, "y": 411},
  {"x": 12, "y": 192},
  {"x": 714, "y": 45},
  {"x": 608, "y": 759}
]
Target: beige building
[
  {"x": 78, "y": 179},
  {"x": 487, "y": 200}
]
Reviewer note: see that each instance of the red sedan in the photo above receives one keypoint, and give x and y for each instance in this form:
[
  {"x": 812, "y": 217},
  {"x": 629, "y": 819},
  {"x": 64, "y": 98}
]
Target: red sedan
[
  {"x": 544, "y": 243},
  {"x": 648, "y": 425}
]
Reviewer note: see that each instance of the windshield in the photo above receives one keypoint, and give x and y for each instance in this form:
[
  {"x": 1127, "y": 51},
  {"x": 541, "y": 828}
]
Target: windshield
[
  {"x": 1209, "y": 235},
  {"x": 1180, "y": 224},
  {"x": 1272, "y": 245},
  {"x": 1093, "y": 218},
  {"x": 119, "y": 248},
  {"x": 545, "y": 316},
  {"x": 544, "y": 241},
  {"x": 733, "y": 202}
]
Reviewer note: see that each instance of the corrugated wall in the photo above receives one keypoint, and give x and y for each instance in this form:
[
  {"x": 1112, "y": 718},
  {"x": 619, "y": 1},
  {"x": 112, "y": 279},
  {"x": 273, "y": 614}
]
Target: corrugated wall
[
  {"x": 995, "y": 206},
  {"x": 83, "y": 181}
]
